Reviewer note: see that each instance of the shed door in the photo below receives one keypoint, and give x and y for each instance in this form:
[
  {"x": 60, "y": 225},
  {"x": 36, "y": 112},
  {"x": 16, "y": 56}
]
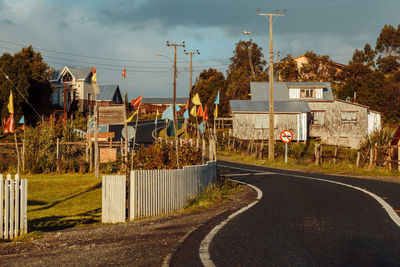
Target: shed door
[{"x": 302, "y": 126}]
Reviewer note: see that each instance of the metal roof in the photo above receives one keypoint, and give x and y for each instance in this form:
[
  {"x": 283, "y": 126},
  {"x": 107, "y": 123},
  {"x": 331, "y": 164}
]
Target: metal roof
[
  {"x": 260, "y": 90},
  {"x": 263, "y": 106},
  {"x": 80, "y": 73},
  {"x": 164, "y": 100},
  {"x": 107, "y": 92}
]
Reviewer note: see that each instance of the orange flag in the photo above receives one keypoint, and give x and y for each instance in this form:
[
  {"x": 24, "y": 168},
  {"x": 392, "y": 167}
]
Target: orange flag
[
  {"x": 205, "y": 114},
  {"x": 124, "y": 73},
  {"x": 9, "y": 126},
  {"x": 136, "y": 102},
  {"x": 200, "y": 111}
]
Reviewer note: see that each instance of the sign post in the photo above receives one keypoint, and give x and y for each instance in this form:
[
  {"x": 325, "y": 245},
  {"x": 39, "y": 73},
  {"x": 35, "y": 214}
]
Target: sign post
[{"x": 286, "y": 137}]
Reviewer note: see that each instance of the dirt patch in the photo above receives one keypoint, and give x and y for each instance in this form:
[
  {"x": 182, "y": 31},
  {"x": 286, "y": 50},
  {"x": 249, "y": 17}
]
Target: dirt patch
[{"x": 144, "y": 242}]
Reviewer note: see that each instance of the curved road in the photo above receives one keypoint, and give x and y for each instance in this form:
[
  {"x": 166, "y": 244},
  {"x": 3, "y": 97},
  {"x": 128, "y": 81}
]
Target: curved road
[{"x": 304, "y": 222}]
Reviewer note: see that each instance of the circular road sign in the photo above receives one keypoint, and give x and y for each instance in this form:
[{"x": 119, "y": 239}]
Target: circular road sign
[{"x": 286, "y": 136}]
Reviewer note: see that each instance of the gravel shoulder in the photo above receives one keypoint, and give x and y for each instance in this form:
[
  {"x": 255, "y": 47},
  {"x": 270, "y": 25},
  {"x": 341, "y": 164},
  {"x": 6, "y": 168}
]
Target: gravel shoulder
[{"x": 144, "y": 242}]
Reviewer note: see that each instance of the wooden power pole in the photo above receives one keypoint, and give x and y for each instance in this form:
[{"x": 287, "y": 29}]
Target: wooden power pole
[
  {"x": 174, "y": 104},
  {"x": 271, "y": 84}
]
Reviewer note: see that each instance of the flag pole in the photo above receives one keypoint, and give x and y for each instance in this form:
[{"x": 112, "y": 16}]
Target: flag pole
[
  {"x": 16, "y": 147},
  {"x": 134, "y": 137}
]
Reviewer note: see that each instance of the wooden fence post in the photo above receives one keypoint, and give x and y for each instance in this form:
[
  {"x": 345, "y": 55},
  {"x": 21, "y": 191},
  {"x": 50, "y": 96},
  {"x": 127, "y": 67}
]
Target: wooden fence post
[
  {"x": 375, "y": 154},
  {"x": 358, "y": 159},
  {"x": 398, "y": 158},
  {"x": 316, "y": 154},
  {"x": 371, "y": 157},
  {"x": 390, "y": 157},
  {"x": 335, "y": 155}
]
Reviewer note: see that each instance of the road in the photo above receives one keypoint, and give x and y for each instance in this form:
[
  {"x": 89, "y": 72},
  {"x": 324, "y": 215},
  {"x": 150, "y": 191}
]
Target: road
[{"x": 304, "y": 222}]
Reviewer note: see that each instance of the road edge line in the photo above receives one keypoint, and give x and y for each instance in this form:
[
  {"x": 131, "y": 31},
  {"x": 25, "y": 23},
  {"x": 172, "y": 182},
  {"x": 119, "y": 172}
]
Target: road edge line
[{"x": 205, "y": 244}]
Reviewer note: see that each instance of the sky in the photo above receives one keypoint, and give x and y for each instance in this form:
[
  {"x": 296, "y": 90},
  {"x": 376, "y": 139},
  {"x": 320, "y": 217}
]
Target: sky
[{"x": 118, "y": 34}]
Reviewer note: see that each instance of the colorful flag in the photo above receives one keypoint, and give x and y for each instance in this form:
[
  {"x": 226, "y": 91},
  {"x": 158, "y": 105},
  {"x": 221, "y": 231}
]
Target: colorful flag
[
  {"x": 10, "y": 105},
  {"x": 124, "y": 73},
  {"x": 22, "y": 120},
  {"x": 94, "y": 76},
  {"x": 216, "y": 111},
  {"x": 216, "y": 100},
  {"x": 186, "y": 114},
  {"x": 136, "y": 102},
  {"x": 168, "y": 114},
  {"x": 200, "y": 111},
  {"x": 131, "y": 117},
  {"x": 193, "y": 111},
  {"x": 187, "y": 104},
  {"x": 205, "y": 114},
  {"x": 201, "y": 127},
  {"x": 196, "y": 100},
  {"x": 9, "y": 126}
]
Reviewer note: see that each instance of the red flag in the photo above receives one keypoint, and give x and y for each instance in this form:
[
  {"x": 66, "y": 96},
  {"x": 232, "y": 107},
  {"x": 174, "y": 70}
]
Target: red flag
[
  {"x": 136, "y": 102},
  {"x": 124, "y": 73},
  {"x": 205, "y": 114},
  {"x": 200, "y": 111},
  {"x": 9, "y": 126},
  {"x": 187, "y": 104}
]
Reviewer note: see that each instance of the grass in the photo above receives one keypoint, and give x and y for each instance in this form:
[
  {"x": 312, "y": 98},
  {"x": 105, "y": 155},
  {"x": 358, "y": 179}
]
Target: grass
[
  {"x": 295, "y": 164},
  {"x": 59, "y": 201},
  {"x": 212, "y": 195}
]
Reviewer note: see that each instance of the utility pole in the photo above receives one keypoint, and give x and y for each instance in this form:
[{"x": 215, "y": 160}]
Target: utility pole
[
  {"x": 191, "y": 77},
  {"x": 271, "y": 83},
  {"x": 191, "y": 69},
  {"x": 174, "y": 104}
]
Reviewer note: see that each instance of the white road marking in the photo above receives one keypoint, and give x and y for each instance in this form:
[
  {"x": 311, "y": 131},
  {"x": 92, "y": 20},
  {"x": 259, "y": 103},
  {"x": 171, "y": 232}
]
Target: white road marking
[{"x": 205, "y": 244}]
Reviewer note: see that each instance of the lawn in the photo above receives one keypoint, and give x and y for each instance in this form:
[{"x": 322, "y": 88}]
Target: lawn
[{"x": 59, "y": 201}]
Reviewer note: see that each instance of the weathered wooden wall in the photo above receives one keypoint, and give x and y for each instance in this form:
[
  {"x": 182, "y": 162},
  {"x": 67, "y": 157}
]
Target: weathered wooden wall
[
  {"x": 243, "y": 126},
  {"x": 334, "y": 131}
]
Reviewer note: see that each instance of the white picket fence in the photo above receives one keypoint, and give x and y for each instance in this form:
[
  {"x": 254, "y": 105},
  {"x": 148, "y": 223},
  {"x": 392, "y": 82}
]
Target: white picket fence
[
  {"x": 153, "y": 192},
  {"x": 13, "y": 207}
]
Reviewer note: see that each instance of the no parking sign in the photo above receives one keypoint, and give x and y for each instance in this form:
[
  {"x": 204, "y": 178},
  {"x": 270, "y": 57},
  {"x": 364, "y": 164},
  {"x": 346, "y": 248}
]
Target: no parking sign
[{"x": 286, "y": 136}]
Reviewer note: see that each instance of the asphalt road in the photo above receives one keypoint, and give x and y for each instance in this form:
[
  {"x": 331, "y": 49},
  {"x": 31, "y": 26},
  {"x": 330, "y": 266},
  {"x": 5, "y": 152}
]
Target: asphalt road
[{"x": 303, "y": 222}]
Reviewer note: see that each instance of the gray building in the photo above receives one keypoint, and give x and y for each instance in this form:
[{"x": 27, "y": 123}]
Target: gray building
[{"x": 309, "y": 110}]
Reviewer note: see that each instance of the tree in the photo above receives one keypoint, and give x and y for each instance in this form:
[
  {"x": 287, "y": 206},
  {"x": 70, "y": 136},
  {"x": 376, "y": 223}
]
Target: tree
[
  {"x": 29, "y": 74},
  {"x": 365, "y": 56},
  {"x": 318, "y": 68},
  {"x": 207, "y": 86},
  {"x": 247, "y": 65},
  {"x": 388, "y": 47},
  {"x": 287, "y": 69}
]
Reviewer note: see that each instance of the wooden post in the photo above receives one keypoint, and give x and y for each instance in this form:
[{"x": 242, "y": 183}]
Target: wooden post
[
  {"x": 320, "y": 154},
  {"x": 335, "y": 155},
  {"x": 371, "y": 157},
  {"x": 358, "y": 159},
  {"x": 87, "y": 151},
  {"x": 90, "y": 154},
  {"x": 58, "y": 154},
  {"x": 398, "y": 158},
  {"x": 316, "y": 154},
  {"x": 375, "y": 154},
  {"x": 390, "y": 157},
  {"x": 96, "y": 142},
  {"x": 23, "y": 153}
]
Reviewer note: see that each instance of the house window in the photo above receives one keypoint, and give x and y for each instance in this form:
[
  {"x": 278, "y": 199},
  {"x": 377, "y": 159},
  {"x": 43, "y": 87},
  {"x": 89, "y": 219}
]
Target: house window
[
  {"x": 348, "y": 116},
  {"x": 318, "y": 117},
  {"x": 307, "y": 93}
]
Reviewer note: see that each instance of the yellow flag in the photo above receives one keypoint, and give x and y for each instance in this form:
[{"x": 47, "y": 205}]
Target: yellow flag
[
  {"x": 131, "y": 117},
  {"x": 193, "y": 111},
  {"x": 216, "y": 111},
  {"x": 11, "y": 104},
  {"x": 196, "y": 100},
  {"x": 157, "y": 114}
]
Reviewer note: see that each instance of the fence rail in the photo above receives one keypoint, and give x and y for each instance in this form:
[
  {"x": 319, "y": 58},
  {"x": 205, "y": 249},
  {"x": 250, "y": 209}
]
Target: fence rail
[
  {"x": 13, "y": 207},
  {"x": 154, "y": 192}
]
